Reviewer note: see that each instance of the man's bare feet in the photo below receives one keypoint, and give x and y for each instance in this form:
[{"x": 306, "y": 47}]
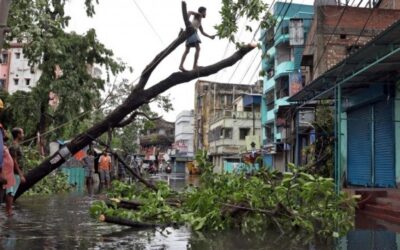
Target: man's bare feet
[{"x": 181, "y": 68}]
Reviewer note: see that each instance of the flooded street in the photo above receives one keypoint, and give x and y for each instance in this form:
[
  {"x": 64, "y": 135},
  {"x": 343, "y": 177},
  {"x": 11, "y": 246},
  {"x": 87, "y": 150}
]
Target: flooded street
[{"x": 63, "y": 222}]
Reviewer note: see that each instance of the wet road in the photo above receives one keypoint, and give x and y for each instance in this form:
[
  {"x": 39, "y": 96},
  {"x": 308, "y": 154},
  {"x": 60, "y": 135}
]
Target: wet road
[{"x": 63, "y": 222}]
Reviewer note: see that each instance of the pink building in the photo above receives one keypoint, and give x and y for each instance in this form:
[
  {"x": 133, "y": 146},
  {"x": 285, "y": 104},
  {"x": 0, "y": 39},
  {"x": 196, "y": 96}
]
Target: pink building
[{"x": 4, "y": 68}]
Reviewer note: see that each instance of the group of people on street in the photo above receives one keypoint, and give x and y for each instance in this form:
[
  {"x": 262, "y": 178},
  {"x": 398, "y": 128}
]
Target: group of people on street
[
  {"x": 104, "y": 168},
  {"x": 11, "y": 164}
]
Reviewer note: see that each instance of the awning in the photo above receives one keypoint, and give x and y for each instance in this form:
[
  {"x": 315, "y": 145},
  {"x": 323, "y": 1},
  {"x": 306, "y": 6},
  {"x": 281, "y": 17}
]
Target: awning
[
  {"x": 376, "y": 62},
  {"x": 251, "y": 99}
]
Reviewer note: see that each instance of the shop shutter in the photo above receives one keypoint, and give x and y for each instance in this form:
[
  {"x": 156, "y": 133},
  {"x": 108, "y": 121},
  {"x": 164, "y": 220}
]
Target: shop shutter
[
  {"x": 384, "y": 144},
  {"x": 359, "y": 146}
]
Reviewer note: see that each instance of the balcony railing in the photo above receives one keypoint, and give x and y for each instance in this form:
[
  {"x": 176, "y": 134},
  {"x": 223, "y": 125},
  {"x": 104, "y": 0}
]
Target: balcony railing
[{"x": 225, "y": 114}]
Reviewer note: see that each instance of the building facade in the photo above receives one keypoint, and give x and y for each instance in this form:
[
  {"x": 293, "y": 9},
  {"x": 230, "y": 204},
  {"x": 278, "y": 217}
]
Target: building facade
[
  {"x": 15, "y": 72},
  {"x": 183, "y": 151},
  {"x": 358, "y": 73},
  {"x": 214, "y": 101},
  {"x": 157, "y": 141},
  {"x": 232, "y": 131},
  {"x": 282, "y": 46}
]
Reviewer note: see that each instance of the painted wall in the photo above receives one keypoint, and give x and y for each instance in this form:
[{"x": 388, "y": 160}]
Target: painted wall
[{"x": 21, "y": 71}]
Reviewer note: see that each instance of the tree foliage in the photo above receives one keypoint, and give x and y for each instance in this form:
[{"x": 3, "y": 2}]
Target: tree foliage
[
  {"x": 40, "y": 26},
  {"x": 253, "y": 10},
  {"x": 296, "y": 202},
  {"x": 321, "y": 151}
]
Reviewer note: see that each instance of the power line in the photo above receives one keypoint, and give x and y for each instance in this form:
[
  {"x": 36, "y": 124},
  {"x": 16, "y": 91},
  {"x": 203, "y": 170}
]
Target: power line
[
  {"x": 148, "y": 22},
  {"x": 250, "y": 65},
  {"x": 341, "y": 70},
  {"x": 330, "y": 37},
  {"x": 282, "y": 19}
]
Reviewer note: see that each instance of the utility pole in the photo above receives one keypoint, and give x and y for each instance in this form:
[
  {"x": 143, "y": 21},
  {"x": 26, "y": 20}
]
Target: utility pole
[{"x": 4, "y": 9}]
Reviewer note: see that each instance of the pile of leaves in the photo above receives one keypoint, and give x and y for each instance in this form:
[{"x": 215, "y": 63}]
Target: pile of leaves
[
  {"x": 292, "y": 202},
  {"x": 51, "y": 184}
]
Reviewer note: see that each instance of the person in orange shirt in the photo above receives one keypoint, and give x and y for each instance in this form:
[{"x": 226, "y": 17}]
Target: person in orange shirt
[{"x": 105, "y": 168}]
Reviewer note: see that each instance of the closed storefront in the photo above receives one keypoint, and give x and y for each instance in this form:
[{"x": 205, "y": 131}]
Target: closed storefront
[{"x": 371, "y": 147}]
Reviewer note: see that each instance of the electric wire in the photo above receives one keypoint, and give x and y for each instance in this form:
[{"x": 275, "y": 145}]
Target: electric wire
[{"x": 148, "y": 22}]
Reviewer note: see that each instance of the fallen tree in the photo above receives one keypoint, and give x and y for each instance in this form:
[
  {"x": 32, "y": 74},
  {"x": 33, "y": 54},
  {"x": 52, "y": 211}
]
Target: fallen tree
[
  {"x": 295, "y": 203},
  {"x": 139, "y": 96}
]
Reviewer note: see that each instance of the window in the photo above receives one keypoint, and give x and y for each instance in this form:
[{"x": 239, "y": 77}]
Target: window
[
  {"x": 27, "y": 81},
  {"x": 270, "y": 100},
  {"x": 243, "y": 132},
  {"x": 269, "y": 132},
  {"x": 32, "y": 70},
  {"x": 343, "y": 36},
  {"x": 4, "y": 58},
  {"x": 16, "y": 81},
  {"x": 229, "y": 100},
  {"x": 2, "y": 83},
  {"x": 17, "y": 55},
  {"x": 227, "y": 133}
]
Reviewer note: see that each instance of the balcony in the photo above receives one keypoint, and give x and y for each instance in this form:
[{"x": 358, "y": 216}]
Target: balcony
[
  {"x": 268, "y": 84},
  {"x": 271, "y": 115},
  {"x": 228, "y": 114},
  {"x": 284, "y": 38},
  {"x": 284, "y": 67}
]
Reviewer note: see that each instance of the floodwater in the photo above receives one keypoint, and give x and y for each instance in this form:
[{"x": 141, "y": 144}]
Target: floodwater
[{"x": 63, "y": 222}]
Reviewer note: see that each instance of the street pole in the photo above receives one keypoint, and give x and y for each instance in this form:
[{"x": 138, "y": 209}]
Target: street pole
[{"x": 4, "y": 9}]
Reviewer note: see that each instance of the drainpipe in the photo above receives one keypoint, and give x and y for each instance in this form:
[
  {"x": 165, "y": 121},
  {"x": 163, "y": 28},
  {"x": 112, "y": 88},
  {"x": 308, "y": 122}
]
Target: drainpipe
[
  {"x": 296, "y": 159},
  {"x": 338, "y": 153}
]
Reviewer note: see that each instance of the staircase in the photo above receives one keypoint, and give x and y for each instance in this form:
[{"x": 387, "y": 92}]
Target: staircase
[{"x": 381, "y": 204}]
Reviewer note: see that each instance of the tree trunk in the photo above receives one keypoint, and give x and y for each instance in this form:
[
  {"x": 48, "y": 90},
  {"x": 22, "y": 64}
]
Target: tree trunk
[
  {"x": 126, "y": 222},
  {"x": 138, "y": 97}
]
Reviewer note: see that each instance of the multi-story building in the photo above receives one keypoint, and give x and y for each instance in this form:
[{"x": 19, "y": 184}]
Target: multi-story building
[
  {"x": 157, "y": 141},
  {"x": 15, "y": 72},
  {"x": 233, "y": 131},
  {"x": 183, "y": 146},
  {"x": 213, "y": 100},
  {"x": 283, "y": 47},
  {"x": 353, "y": 62}
]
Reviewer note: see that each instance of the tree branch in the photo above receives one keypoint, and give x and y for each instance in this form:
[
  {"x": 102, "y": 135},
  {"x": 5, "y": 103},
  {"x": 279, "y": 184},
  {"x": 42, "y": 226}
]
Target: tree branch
[
  {"x": 131, "y": 118},
  {"x": 181, "y": 77},
  {"x": 183, "y": 35},
  {"x": 136, "y": 98}
]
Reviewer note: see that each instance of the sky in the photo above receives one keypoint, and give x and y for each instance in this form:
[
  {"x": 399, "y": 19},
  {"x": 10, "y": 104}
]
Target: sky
[{"x": 136, "y": 30}]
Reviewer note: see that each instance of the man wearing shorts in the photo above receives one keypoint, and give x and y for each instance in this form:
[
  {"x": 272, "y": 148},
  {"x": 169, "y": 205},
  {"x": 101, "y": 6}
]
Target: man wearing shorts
[{"x": 105, "y": 168}]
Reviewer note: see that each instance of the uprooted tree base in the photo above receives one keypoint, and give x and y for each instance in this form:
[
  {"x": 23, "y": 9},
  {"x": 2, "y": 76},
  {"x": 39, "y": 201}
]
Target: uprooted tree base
[
  {"x": 295, "y": 203},
  {"x": 139, "y": 96}
]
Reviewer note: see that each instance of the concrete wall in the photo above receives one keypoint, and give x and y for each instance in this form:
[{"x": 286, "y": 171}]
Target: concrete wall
[
  {"x": 389, "y": 4},
  {"x": 184, "y": 131},
  {"x": 347, "y": 32},
  {"x": 19, "y": 69}
]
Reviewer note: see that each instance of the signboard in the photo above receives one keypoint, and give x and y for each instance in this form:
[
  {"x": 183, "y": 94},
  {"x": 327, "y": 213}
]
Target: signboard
[
  {"x": 295, "y": 83},
  {"x": 180, "y": 146},
  {"x": 296, "y": 32}
]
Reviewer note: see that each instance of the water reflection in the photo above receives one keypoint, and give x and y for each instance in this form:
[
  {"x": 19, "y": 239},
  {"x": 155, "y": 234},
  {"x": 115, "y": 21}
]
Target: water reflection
[{"x": 63, "y": 222}]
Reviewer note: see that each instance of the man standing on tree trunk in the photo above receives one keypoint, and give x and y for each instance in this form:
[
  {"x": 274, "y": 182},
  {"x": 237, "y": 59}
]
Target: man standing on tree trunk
[{"x": 194, "y": 40}]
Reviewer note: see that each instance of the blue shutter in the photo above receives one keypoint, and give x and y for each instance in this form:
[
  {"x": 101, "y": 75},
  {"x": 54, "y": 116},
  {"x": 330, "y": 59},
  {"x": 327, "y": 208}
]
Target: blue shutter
[
  {"x": 359, "y": 147},
  {"x": 384, "y": 144}
]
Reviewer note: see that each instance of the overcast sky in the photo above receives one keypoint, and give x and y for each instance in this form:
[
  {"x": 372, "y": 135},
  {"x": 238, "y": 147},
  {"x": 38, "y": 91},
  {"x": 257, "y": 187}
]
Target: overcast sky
[{"x": 121, "y": 26}]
